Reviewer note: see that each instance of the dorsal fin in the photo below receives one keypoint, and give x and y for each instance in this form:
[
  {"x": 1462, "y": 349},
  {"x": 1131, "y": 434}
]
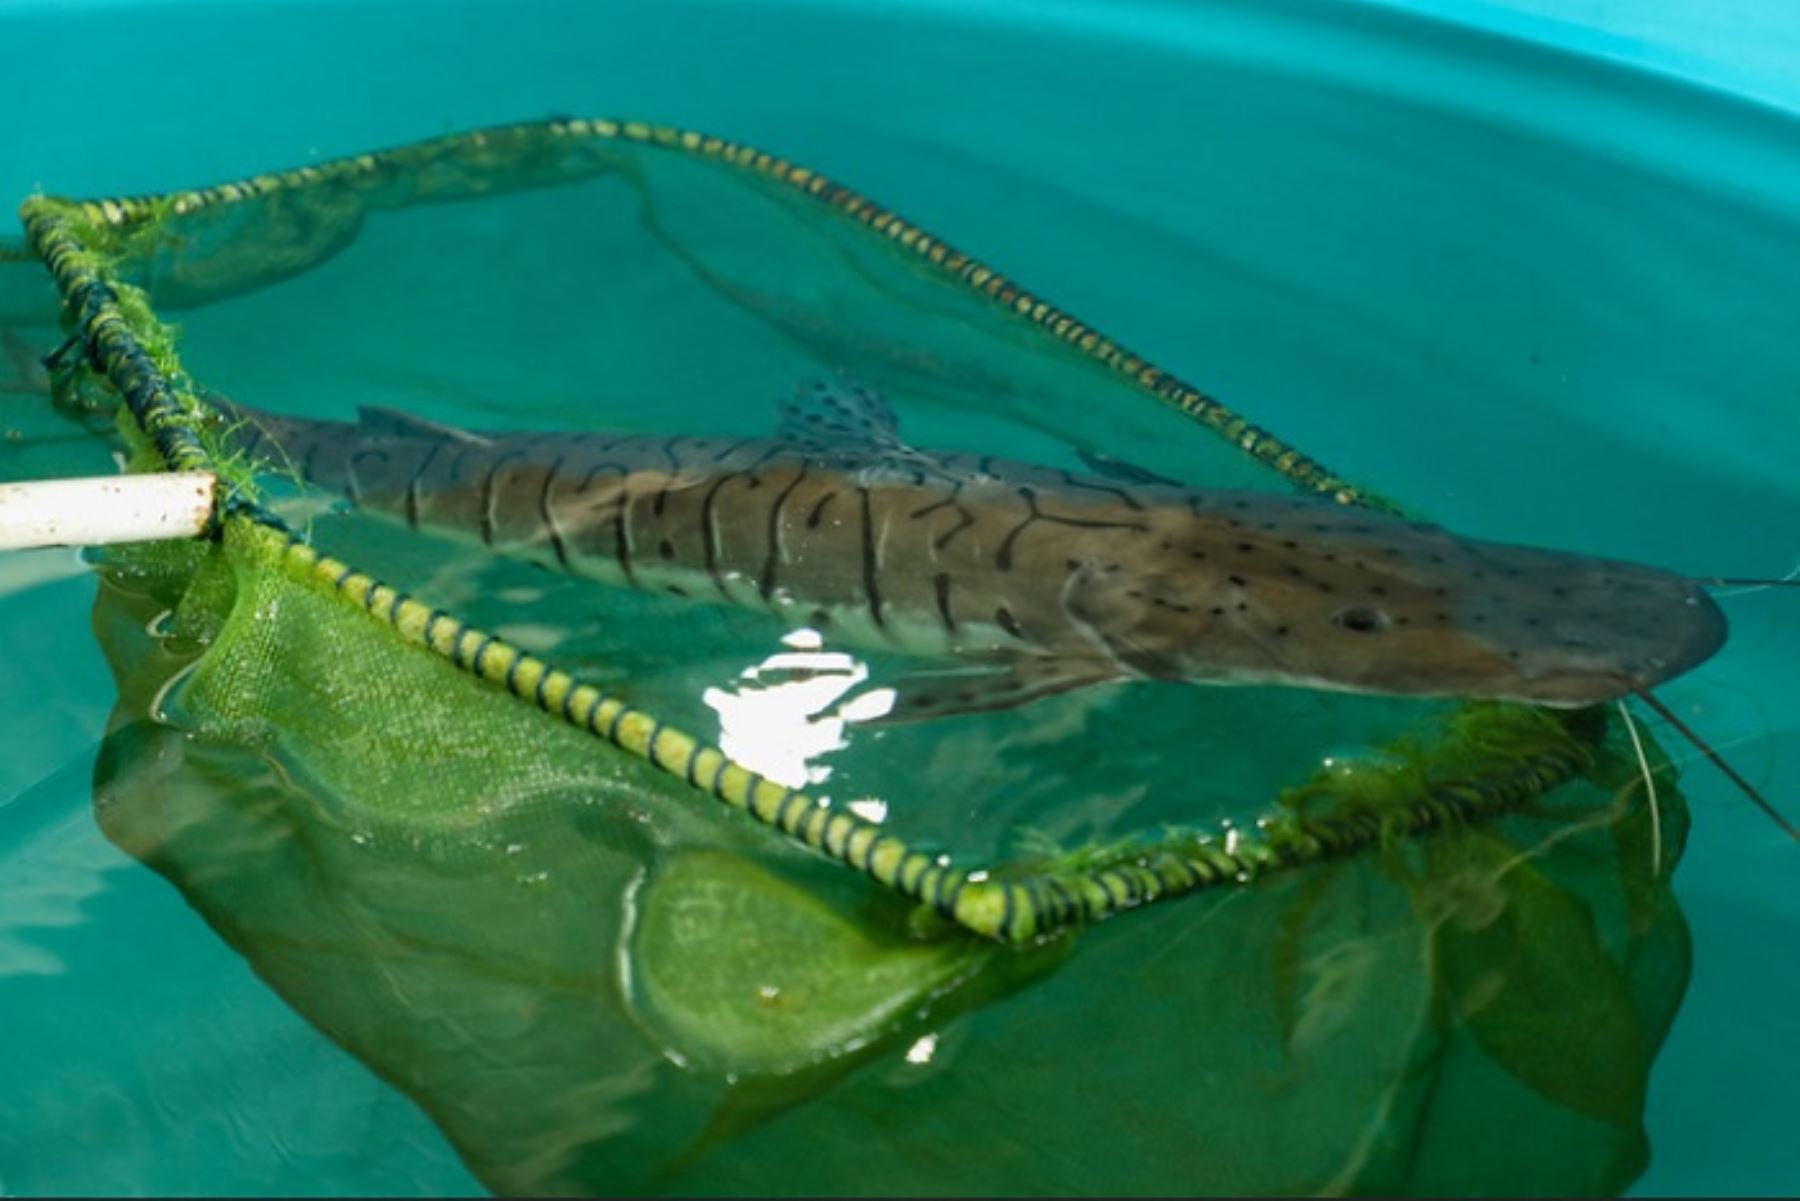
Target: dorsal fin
[
  {"x": 836, "y": 416},
  {"x": 395, "y": 424},
  {"x": 853, "y": 429}
]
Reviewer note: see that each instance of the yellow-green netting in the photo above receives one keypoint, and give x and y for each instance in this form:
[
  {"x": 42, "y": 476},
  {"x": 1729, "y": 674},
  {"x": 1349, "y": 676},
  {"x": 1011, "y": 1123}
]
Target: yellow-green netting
[{"x": 352, "y": 747}]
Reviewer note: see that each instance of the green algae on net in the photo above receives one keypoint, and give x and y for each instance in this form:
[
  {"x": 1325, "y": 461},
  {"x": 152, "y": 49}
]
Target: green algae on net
[{"x": 593, "y": 977}]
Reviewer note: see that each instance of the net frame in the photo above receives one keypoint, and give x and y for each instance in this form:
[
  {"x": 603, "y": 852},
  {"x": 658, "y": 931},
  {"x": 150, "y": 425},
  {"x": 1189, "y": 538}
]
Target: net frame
[{"x": 1494, "y": 759}]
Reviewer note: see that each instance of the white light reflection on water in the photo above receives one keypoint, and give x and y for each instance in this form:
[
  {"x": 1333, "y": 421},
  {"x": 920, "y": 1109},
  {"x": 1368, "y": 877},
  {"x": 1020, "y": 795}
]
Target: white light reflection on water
[
  {"x": 783, "y": 714},
  {"x": 870, "y": 810}
]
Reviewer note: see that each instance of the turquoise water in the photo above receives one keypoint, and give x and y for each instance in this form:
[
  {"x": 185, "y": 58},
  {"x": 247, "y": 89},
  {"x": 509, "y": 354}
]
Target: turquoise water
[{"x": 1536, "y": 295}]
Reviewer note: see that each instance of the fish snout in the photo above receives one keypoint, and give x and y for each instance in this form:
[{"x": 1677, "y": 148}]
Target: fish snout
[{"x": 1640, "y": 630}]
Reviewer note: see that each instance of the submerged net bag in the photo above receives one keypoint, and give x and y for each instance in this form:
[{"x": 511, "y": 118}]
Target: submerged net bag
[{"x": 566, "y": 862}]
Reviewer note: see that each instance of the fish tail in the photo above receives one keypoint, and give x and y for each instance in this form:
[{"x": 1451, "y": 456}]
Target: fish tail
[{"x": 293, "y": 446}]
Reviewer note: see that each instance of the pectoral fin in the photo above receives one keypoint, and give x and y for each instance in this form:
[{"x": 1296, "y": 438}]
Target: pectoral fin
[
  {"x": 1103, "y": 464},
  {"x": 999, "y": 684}
]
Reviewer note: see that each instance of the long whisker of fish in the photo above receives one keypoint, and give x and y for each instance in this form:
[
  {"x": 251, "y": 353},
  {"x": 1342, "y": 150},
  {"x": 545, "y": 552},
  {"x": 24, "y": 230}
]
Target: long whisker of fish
[
  {"x": 1637, "y": 744},
  {"x": 1744, "y": 587},
  {"x": 1680, "y": 759},
  {"x": 1594, "y": 821},
  {"x": 1686, "y": 731},
  {"x": 1683, "y": 757}
]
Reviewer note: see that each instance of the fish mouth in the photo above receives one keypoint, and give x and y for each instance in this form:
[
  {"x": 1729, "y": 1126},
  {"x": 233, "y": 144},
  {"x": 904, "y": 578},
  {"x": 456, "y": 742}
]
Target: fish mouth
[
  {"x": 1607, "y": 678},
  {"x": 1575, "y": 689},
  {"x": 1647, "y": 646},
  {"x": 1706, "y": 634}
]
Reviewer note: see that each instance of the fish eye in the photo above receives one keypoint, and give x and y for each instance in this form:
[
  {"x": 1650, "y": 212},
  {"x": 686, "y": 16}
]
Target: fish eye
[{"x": 1363, "y": 621}]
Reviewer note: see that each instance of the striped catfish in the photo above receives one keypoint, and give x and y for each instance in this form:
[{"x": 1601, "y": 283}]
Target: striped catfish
[
  {"x": 1051, "y": 579},
  {"x": 1036, "y": 579}
]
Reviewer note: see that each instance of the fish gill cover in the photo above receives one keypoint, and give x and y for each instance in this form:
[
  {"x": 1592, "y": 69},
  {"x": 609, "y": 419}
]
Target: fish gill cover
[{"x": 465, "y": 815}]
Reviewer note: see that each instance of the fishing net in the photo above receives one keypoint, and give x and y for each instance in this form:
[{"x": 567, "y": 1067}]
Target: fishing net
[{"x": 567, "y": 863}]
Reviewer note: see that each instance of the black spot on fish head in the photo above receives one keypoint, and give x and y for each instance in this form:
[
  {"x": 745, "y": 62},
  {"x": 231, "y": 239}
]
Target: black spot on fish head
[
  {"x": 1576, "y": 630},
  {"x": 1384, "y": 605}
]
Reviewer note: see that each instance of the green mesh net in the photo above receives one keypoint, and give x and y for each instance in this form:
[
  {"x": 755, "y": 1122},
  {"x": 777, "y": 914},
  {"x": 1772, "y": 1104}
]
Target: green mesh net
[{"x": 499, "y": 834}]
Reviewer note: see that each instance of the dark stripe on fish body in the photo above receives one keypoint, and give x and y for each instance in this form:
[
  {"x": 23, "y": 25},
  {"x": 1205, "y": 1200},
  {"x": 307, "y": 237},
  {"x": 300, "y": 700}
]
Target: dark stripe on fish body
[
  {"x": 622, "y": 537},
  {"x": 517, "y": 496},
  {"x": 430, "y": 496},
  {"x": 352, "y": 478},
  {"x": 412, "y": 485},
  {"x": 773, "y": 558},
  {"x": 709, "y": 547},
  {"x": 964, "y": 520},
  {"x": 1129, "y": 501},
  {"x": 942, "y": 584},
  {"x": 933, "y": 507},
  {"x": 454, "y": 474},
  {"x": 868, "y": 561},
  {"x": 818, "y": 510},
  {"x": 307, "y": 468},
  {"x": 671, "y": 478},
  {"x": 488, "y": 484},
  {"x": 592, "y": 520},
  {"x": 545, "y": 515},
  {"x": 1005, "y": 620},
  {"x": 1003, "y": 558},
  {"x": 732, "y": 448},
  {"x": 622, "y": 470}
]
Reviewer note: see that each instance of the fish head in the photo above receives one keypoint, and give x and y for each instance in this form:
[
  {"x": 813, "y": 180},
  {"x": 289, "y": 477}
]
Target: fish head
[
  {"x": 1345, "y": 600},
  {"x": 1578, "y": 630}
]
